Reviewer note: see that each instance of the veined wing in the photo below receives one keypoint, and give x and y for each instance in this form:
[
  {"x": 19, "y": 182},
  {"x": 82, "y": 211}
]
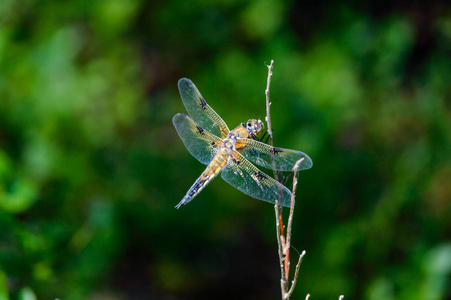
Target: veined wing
[
  {"x": 199, "y": 142},
  {"x": 199, "y": 110},
  {"x": 244, "y": 176},
  {"x": 270, "y": 157}
]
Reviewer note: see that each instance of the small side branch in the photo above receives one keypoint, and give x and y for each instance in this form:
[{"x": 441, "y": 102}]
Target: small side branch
[
  {"x": 296, "y": 273},
  {"x": 281, "y": 247}
]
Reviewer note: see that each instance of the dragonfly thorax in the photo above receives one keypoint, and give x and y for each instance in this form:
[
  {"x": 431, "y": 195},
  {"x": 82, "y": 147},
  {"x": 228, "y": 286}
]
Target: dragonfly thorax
[{"x": 230, "y": 141}]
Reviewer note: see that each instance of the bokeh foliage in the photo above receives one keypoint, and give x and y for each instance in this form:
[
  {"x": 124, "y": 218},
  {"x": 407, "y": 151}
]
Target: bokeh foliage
[{"x": 91, "y": 166}]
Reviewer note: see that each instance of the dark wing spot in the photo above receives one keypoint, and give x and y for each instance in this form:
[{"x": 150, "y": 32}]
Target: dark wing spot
[
  {"x": 203, "y": 103},
  {"x": 260, "y": 174},
  {"x": 253, "y": 152},
  {"x": 276, "y": 150},
  {"x": 237, "y": 162},
  {"x": 200, "y": 129}
]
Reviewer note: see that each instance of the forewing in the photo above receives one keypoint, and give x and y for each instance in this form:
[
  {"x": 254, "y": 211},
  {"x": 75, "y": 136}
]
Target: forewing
[
  {"x": 244, "y": 176},
  {"x": 275, "y": 158},
  {"x": 199, "y": 110},
  {"x": 199, "y": 142}
]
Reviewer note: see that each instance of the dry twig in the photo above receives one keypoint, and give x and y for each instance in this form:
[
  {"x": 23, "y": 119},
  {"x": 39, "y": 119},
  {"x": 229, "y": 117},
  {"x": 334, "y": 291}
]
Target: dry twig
[{"x": 283, "y": 241}]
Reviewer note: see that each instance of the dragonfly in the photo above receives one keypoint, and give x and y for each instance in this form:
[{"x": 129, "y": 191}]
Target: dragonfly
[{"x": 232, "y": 153}]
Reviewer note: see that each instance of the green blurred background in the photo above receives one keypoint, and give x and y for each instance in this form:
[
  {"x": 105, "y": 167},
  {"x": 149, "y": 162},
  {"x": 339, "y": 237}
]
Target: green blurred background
[{"x": 91, "y": 166}]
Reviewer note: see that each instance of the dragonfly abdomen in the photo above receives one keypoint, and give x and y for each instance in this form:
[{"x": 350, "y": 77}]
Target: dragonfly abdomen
[{"x": 213, "y": 169}]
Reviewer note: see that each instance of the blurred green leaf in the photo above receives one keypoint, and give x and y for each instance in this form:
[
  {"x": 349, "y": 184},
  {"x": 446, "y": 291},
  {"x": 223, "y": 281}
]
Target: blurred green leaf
[
  {"x": 3, "y": 286},
  {"x": 27, "y": 293},
  {"x": 261, "y": 19}
]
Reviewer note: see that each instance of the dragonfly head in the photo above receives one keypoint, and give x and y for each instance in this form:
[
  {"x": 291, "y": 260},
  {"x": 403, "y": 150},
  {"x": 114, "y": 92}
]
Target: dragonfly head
[{"x": 254, "y": 127}]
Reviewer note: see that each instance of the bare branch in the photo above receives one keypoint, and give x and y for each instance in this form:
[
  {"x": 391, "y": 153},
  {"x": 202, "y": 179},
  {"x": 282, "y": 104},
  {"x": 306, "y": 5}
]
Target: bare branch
[
  {"x": 293, "y": 196},
  {"x": 296, "y": 274},
  {"x": 283, "y": 240},
  {"x": 268, "y": 119},
  {"x": 268, "y": 103},
  {"x": 278, "y": 209},
  {"x": 280, "y": 245},
  {"x": 290, "y": 218}
]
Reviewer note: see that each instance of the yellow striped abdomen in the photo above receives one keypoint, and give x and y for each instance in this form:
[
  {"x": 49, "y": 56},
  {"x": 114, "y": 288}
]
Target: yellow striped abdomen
[{"x": 213, "y": 169}]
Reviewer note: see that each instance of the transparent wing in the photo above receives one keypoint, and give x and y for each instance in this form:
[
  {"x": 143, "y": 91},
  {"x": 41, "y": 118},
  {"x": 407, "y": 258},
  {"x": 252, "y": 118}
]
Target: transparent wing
[
  {"x": 263, "y": 155},
  {"x": 199, "y": 110},
  {"x": 199, "y": 142},
  {"x": 244, "y": 176}
]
